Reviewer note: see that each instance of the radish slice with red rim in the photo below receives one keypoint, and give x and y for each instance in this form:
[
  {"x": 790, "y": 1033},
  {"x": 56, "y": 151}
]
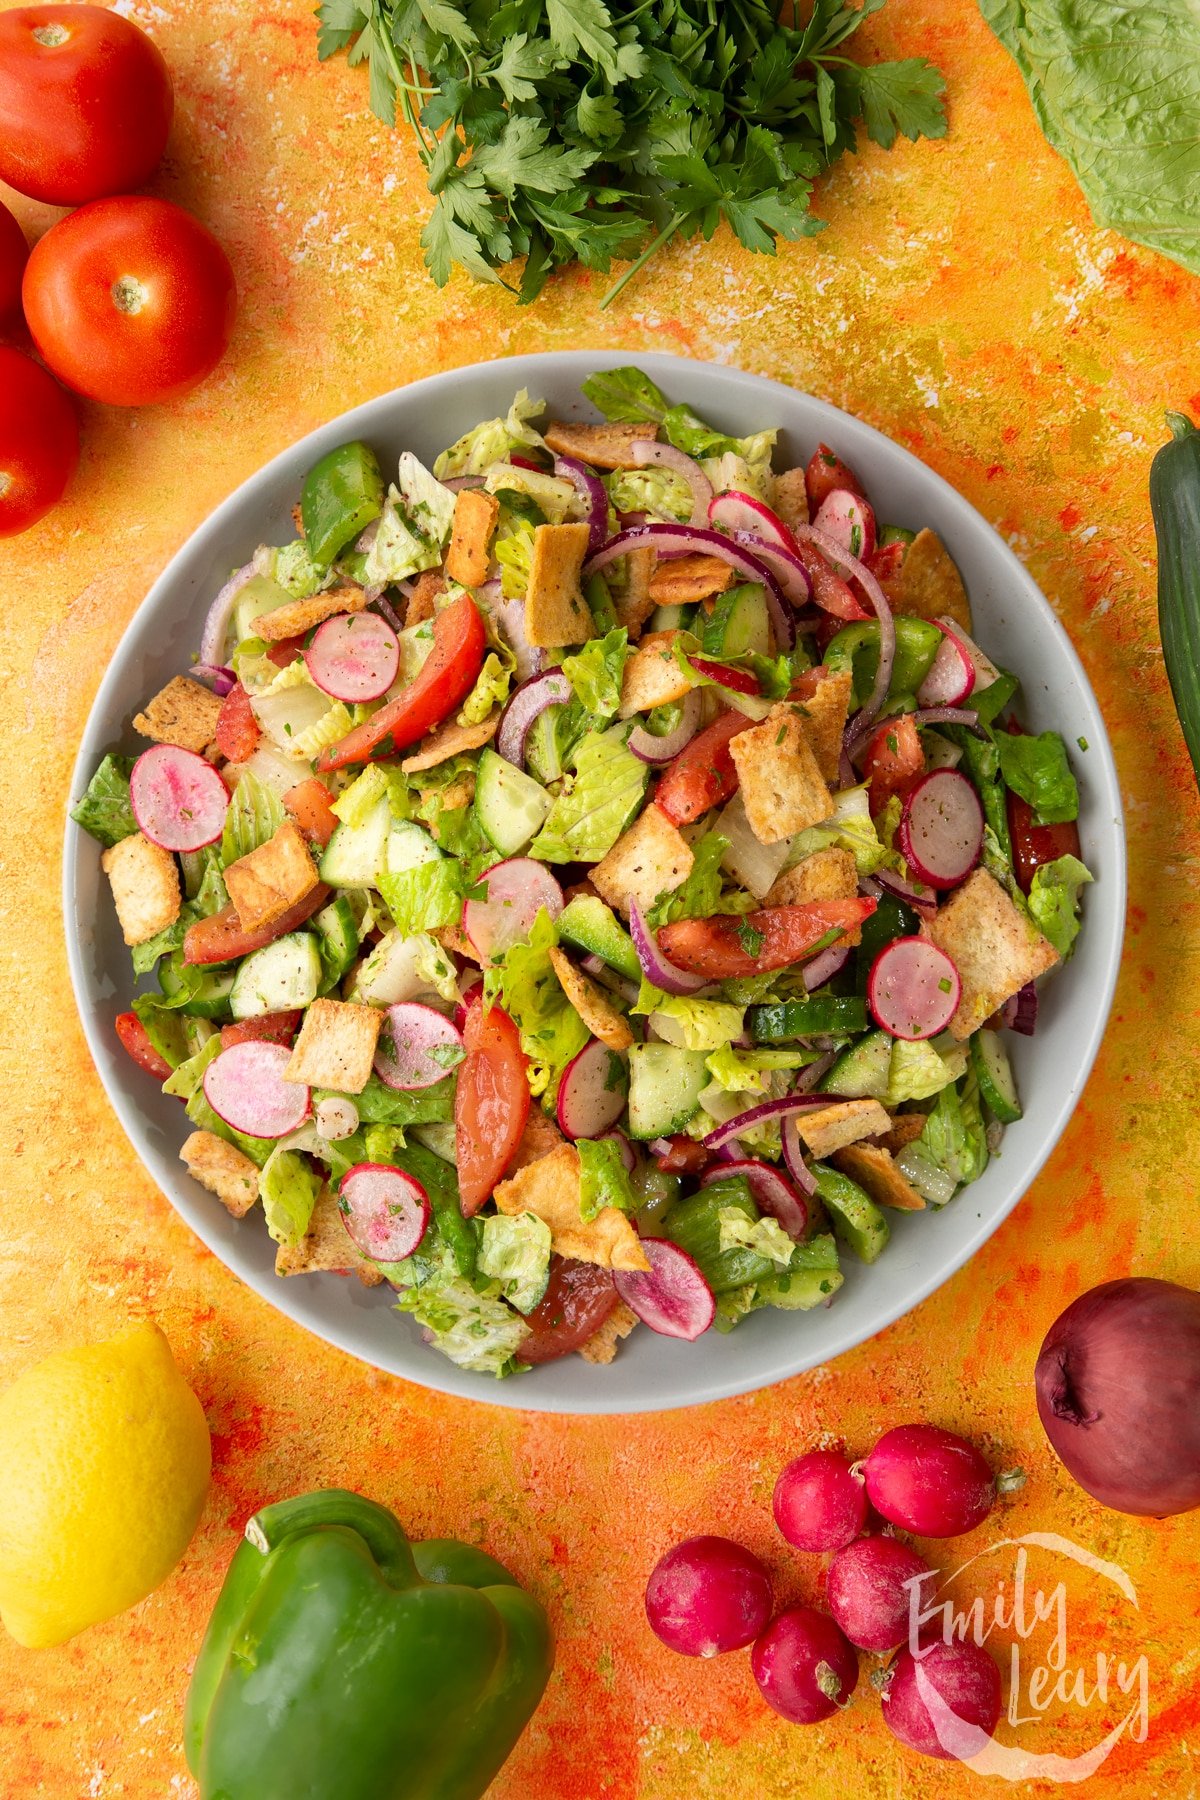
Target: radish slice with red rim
[
  {"x": 913, "y": 989},
  {"x": 417, "y": 1047},
  {"x": 951, "y": 675},
  {"x": 671, "y": 1297},
  {"x": 591, "y": 1094},
  {"x": 771, "y": 1192},
  {"x": 178, "y": 799},
  {"x": 985, "y": 669},
  {"x": 384, "y": 1210},
  {"x": 551, "y": 688},
  {"x": 941, "y": 828},
  {"x": 849, "y": 567},
  {"x": 517, "y": 890},
  {"x": 736, "y": 512},
  {"x": 849, "y": 520},
  {"x": 627, "y": 1152},
  {"x": 354, "y": 657},
  {"x": 649, "y": 454},
  {"x": 244, "y": 1085}
]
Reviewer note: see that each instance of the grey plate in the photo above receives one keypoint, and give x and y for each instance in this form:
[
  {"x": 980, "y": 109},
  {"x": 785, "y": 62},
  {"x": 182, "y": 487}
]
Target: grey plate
[{"x": 1015, "y": 624}]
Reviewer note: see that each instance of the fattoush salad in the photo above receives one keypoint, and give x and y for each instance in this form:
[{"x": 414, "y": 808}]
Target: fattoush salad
[{"x": 589, "y": 881}]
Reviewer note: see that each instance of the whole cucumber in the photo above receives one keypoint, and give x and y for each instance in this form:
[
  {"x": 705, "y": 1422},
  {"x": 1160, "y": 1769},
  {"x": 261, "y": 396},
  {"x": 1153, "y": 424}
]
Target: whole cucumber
[{"x": 1175, "y": 504}]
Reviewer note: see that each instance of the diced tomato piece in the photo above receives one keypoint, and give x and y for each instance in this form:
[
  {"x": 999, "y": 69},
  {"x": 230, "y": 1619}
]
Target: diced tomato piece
[
  {"x": 285, "y": 650},
  {"x": 886, "y": 562},
  {"x": 237, "y": 733},
  {"x": 135, "y": 1040},
  {"x": 831, "y": 593},
  {"x": 825, "y": 472},
  {"x": 310, "y": 805},
  {"x": 683, "y": 1156},
  {"x": 726, "y": 946},
  {"x": 1033, "y": 845},
  {"x": 702, "y": 775},
  {"x": 445, "y": 680},
  {"x": 222, "y": 938},
  {"x": 491, "y": 1102},
  {"x": 267, "y": 1028},
  {"x": 579, "y": 1298},
  {"x": 893, "y": 760}
]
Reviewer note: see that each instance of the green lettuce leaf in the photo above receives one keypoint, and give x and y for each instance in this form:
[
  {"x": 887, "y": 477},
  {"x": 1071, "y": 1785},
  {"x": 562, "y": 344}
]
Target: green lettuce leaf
[
  {"x": 917, "y": 1071},
  {"x": 424, "y": 898},
  {"x": 292, "y": 568},
  {"x": 516, "y": 1253},
  {"x": 599, "y": 800},
  {"x": 104, "y": 810},
  {"x": 743, "y": 1071},
  {"x": 470, "y": 1324},
  {"x": 428, "y": 506},
  {"x": 851, "y": 828},
  {"x": 703, "y": 891},
  {"x": 1054, "y": 900},
  {"x": 954, "y": 1136},
  {"x": 523, "y": 982},
  {"x": 379, "y": 1104},
  {"x": 491, "y": 690},
  {"x": 494, "y": 441},
  {"x": 1037, "y": 769},
  {"x": 660, "y": 493},
  {"x": 513, "y": 550},
  {"x": 690, "y": 1022},
  {"x": 288, "y": 1189},
  {"x": 255, "y": 815},
  {"x": 766, "y": 1237},
  {"x": 603, "y": 1178},
  {"x": 595, "y": 675}
]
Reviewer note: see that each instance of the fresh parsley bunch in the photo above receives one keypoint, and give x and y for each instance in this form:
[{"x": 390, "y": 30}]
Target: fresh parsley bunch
[{"x": 575, "y": 130}]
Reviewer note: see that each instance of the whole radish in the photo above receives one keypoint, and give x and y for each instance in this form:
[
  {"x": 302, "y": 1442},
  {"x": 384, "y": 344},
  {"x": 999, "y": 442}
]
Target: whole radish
[
  {"x": 804, "y": 1667},
  {"x": 945, "y": 1701},
  {"x": 929, "y": 1481},
  {"x": 820, "y": 1501},
  {"x": 708, "y": 1595},
  {"x": 871, "y": 1587}
]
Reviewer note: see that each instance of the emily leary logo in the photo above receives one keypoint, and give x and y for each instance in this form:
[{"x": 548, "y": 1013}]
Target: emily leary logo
[{"x": 1043, "y": 1673}]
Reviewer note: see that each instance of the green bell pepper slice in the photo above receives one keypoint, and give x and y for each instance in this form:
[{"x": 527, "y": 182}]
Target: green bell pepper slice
[
  {"x": 856, "y": 647},
  {"x": 342, "y": 494},
  {"x": 343, "y": 1662}
]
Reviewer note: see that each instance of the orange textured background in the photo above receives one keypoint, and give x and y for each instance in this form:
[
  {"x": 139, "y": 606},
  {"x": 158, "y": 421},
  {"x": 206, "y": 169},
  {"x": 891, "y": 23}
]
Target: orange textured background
[{"x": 962, "y": 301}]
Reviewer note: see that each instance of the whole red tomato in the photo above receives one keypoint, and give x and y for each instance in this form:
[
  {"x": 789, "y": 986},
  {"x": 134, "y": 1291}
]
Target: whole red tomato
[
  {"x": 14, "y": 253},
  {"x": 85, "y": 103},
  {"x": 130, "y": 301},
  {"x": 39, "y": 442}
]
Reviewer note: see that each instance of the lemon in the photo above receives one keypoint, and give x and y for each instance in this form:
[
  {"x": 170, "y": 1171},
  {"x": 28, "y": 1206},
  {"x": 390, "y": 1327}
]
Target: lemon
[{"x": 104, "y": 1465}]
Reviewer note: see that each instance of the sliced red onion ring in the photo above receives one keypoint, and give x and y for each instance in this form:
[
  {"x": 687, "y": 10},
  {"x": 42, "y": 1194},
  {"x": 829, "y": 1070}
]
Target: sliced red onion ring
[
  {"x": 920, "y": 899},
  {"x": 662, "y": 973},
  {"x": 215, "y": 676},
  {"x": 457, "y": 484},
  {"x": 695, "y": 540},
  {"x": 946, "y": 715},
  {"x": 380, "y": 604},
  {"x": 650, "y": 749},
  {"x": 659, "y": 1146},
  {"x": 528, "y": 703},
  {"x": 1019, "y": 1013},
  {"x": 793, "y": 1159},
  {"x": 216, "y": 625},
  {"x": 648, "y": 454},
  {"x": 758, "y": 1115},
  {"x": 783, "y": 563},
  {"x": 825, "y": 966},
  {"x": 809, "y": 1076},
  {"x": 592, "y": 490},
  {"x": 847, "y": 566}
]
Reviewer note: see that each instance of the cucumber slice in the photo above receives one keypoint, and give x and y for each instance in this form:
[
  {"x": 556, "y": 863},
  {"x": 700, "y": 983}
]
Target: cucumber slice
[
  {"x": 260, "y": 595},
  {"x": 670, "y": 618},
  {"x": 799, "y": 1290},
  {"x": 511, "y": 806},
  {"x": 857, "y": 1221},
  {"x": 738, "y": 622},
  {"x": 282, "y": 976},
  {"x": 895, "y": 534},
  {"x": 210, "y": 996},
  {"x": 354, "y": 855},
  {"x": 822, "y": 1015},
  {"x": 409, "y": 846},
  {"x": 993, "y": 1072},
  {"x": 588, "y": 924},
  {"x": 338, "y": 931},
  {"x": 861, "y": 1072},
  {"x": 665, "y": 1084}
]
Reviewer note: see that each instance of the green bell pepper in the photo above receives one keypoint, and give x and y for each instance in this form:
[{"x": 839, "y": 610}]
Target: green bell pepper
[
  {"x": 856, "y": 647},
  {"x": 342, "y": 494},
  {"x": 344, "y": 1663}
]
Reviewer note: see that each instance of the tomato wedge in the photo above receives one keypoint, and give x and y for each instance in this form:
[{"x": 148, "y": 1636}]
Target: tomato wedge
[
  {"x": 136, "y": 1041},
  {"x": 491, "y": 1103},
  {"x": 683, "y": 1156},
  {"x": 267, "y": 1028},
  {"x": 702, "y": 775},
  {"x": 831, "y": 593},
  {"x": 726, "y": 946},
  {"x": 1033, "y": 845},
  {"x": 222, "y": 938},
  {"x": 893, "y": 760},
  {"x": 448, "y": 675},
  {"x": 825, "y": 472},
  {"x": 310, "y": 805},
  {"x": 285, "y": 650},
  {"x": 237, "y": 733},
  {"x": 579, "y": 1298}
]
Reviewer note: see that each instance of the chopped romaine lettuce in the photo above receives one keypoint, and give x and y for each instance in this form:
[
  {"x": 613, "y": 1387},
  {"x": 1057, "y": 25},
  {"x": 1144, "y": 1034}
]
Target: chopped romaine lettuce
[
  {"x": 690, "y": 1022},
  {"x": 427, "y": 897},
  {"x": 493, "y": 441},
  {"x": 516, "y": 1253},
  {"x": 1054, "y": 900},
  {"x": 595, "y": 675},
  {"x": 599, "y": 800},
  {"x": 553, "y": 499},
  {"x": 702, "y": 892},
  {"x": 490, "y": 691},
  {"x": 766, "y": 1237},
  {"x": 918, "y": 1070},
  {"x": 428, "y": 505},
  {"x": 660, "y": 493},
  {"x": 469, "y": 1324},
  {"x": 604, "y": 1180},
  {"x": 955, "y": 1136},
  {"x": 378, "y": 1104},
  {"x": 1037, "y": 769},
  {"x": 288, "y": 1189},
  {"x": 850, "y": 828},
  {"x": 743, "y": 1071},
  {"x": 255, "y": 815},
  {"x": 292, "y": 568},
  {"x": 523, "y": 982},
  {"x": 398, "y": 550},
  {"x": 513, "y": 550},
  {"x": 104, "y": 810}
]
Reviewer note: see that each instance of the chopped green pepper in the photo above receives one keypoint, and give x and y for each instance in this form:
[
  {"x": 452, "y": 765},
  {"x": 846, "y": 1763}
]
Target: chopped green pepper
[{"x": 342, "y": 494}]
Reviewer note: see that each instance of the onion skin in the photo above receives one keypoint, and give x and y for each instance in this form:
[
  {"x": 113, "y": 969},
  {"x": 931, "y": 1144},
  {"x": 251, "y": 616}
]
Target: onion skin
[{"x": 1118, "y": 1394}]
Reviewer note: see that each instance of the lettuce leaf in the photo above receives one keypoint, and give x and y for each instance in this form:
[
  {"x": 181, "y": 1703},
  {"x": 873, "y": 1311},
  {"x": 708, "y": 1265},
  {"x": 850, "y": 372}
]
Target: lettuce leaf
[
  {"x": 513, "y": 550},
  {"x": 523, "y": 982},
  {"x": 255, "y": 815},
  {"x": 1037, "y": 769},
  {"x": 490, "y": 691},
  {"x": 702, "y": 892},
  {"x": 690, "y": 1022},
  {"x": 603, "y": 1178},
  {"x": 595, "y": 675},
  {"x": 597, "y": 803},
  {"x": 103, "y": 809},
  {"x": 954, "y": 1136},
  {"x": 493, "y": 441},
  {"x": 1054, "y": 900},
  {"x": 288, "y": 1189},
  {"x": 379, "y": 1104},
  {"x": 661, "y": 493},
  {"x": 919, "y": 1070},
  {"x": 766, "y": 1237},
  {"x": 427, "y": 897},
  {"x": 468, "y": 1323},
  {"x": 516, "y": 1253},
  {"x": 292, "y": 568},
  {"x": 851, "y": 828},
  {"x": 399, "y": 549},
  {"x": 743, "y": 1071},
  {"x": 428, "y": 505}
]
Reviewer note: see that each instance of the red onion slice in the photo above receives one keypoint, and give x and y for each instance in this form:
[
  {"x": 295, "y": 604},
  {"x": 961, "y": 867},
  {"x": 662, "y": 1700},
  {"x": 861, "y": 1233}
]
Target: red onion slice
[
  {"x": 946, "y": 715},
  {"x": 650, "y": 749},
  {"x": 1019, "y": 1012},
  {"x": 593, "y": 492},
  {"x": 696, "y": 540},
  {"x": 662, "y": 973},
  {"x": 216, "y": 625},
  {"x": 793, "y": 1158},
  {"x": 809, "y": 1076},
  {"x": 648, "y": 454},
  {"x": 758, "y": 1115},
  {"x": 825, "y": 966},
  {"x": 922, "y": 902},
  {"x": 458, "y": 484},
  {"x": 847, "y": 566},
  {"x": 215, "y": 676},
  {"x": 783, "y": 563},
  {"x": 527, "y": 704}
]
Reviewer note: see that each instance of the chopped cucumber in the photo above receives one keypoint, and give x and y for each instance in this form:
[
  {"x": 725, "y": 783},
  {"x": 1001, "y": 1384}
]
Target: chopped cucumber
[
  {"x": 354, "y": 855},
  {"x": 895, "y": 534},
  {"x": 259, "y": 595},
  {"x": 993, "y": 1072},
  {"x": 861, "y": 1072},
  {"x": 592, "y": 926},
  {"x": 409, "y": 846},
  {"x": 281, "y": 977},
  {"x": 209, "y": 998},
  {"x": 665, "y": 1084},
  {"x": 671, "y": 618},
  {"x": 511, "y": 806},
  {"x": 738, "y": 622},
  {"x": 695, "y": 1225},
  {"x": 799, "y": 1290},
  {"x": 856, "y": 1220},
  {"x": 339, "y": 940},
  {"x": 821, "y": 1015},
  {"x": 856, "y": 648}
]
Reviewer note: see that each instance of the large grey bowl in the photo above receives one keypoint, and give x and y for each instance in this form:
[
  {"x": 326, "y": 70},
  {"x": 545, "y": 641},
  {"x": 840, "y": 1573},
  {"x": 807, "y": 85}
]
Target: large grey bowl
[{"x": 1014, "y": 623}]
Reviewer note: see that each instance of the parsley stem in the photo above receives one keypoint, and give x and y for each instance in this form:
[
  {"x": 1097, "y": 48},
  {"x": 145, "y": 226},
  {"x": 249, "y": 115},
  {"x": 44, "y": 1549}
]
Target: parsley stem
[{"x": 668, "y": 231}]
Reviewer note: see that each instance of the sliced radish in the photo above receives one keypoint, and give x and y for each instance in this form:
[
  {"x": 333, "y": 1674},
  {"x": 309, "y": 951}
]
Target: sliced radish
[
  {"x": 628, "y": 1153},
  {"x": 951, "y": 675},
  {"x": 591, "y": 1094},
  {"x": 772, "y": 1192},
  {"x": 178, "y": 799},
  {"x": 417, "y": 1046},
  {"x": 244, "y": 1085},
  {"x": 738, "y": 681},
  {"x": 384, "y": 1210},
  {"x": 354, "y": 657},
  {"x": 941, "y": 828},
  {"x": 672, "y": 1297},
  {"x": 516, "y": 892},
  {"x": 913, "y": 989},
  {"x": 785, "y": 564},
  {"x": 735, "y": 512},
  {"x": 985, "y": 669},
  {"x": 849, "y": 520}
]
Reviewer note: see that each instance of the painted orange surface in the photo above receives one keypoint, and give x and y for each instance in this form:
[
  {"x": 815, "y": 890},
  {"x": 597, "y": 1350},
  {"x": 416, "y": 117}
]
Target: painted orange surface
[{"x": 962, "y": 301}]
